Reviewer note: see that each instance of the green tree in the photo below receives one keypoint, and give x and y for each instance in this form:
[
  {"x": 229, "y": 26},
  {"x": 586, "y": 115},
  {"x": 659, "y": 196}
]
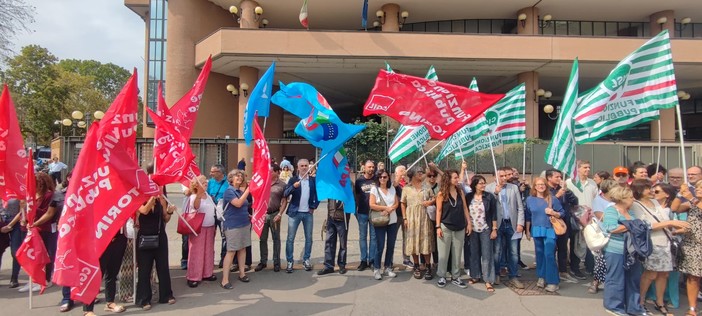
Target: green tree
[
  {"x": 368, "y": 144},
  {"x": 108, "y": 78}
]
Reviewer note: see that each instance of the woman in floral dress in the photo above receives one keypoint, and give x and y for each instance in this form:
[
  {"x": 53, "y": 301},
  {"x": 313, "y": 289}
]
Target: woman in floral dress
[{"x": 420, "y": 240}]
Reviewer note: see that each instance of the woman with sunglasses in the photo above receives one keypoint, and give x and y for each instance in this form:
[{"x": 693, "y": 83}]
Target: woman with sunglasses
[
  {"x": 660, "y": 262},
  {"x": 383, "y": 199}
]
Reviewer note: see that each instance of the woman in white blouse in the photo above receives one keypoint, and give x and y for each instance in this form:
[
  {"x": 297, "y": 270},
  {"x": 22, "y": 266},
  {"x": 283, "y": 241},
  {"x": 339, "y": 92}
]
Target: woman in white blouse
[
  {"x": 384, "y": 200},
  {"x": 201, "y": 247}
]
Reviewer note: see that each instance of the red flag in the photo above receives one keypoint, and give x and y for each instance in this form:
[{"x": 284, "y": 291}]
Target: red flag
[
  {"x": 33, "y": 258},
  {"x": 172, "y": 152},
  {"x": 32, "y": 255},
  {"x": 107, "y": 189},
  {"x": 12, "y": 153},
  {"x": 185, "y": 110},
  {"x": 261, "y": 179},
  {"x": 443, "y": 108}
]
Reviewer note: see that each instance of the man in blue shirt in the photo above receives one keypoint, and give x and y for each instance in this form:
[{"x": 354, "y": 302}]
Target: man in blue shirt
[
  {"x": 302, "y": 190},
  {"x": 216, "y": 186}
]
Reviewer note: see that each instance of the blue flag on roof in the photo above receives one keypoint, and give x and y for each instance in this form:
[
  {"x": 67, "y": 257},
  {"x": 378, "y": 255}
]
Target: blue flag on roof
[
  {"x": 259, "y": 102},
  {"x": 364, "y": 15},
  {"x": 334, "y": 180}
]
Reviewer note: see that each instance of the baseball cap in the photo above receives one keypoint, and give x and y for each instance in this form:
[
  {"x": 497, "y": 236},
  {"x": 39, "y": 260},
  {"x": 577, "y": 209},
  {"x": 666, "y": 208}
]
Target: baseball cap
[{"x": 620, "y": 169}]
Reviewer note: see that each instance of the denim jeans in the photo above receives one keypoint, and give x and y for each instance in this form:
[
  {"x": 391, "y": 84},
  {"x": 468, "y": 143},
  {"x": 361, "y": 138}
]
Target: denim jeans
[
  {"x": 451, "y": 242},
  {"x": 335, "y": 230},
  {"x": 506, "y": 249},
  {"x": 482, "y": 257},
  {"x": 621, "y": 290},
  {"x": 307, "y": 225},
  {"x": 275, "y": 231},
  {"x": 389, "y": 231},
  {"x": 16, "y": 238},
  {"x": 545, "y": 250},
  {"x": 364, "y": 226}
]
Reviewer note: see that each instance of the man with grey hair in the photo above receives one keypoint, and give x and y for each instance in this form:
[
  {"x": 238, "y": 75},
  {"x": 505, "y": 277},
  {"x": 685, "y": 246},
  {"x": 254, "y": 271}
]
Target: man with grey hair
[
  {"x": 676, "y": 177},
  {"x": 302, "y": 190}
]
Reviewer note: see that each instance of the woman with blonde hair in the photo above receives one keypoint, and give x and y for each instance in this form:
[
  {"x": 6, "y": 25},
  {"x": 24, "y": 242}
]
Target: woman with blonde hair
[
  {"x": 541, "y": 206},
  {"x": 201, "y": 247}
]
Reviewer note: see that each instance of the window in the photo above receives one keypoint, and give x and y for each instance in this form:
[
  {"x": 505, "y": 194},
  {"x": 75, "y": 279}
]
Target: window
[{"x": 156, "y": 63}]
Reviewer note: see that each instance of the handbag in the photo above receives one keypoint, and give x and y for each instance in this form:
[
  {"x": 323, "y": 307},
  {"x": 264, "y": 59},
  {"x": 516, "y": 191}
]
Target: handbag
[
  {"x": 377, "y": 218},
  {"x": 194, "y": 219},
  {"x": 431, "y": 209},
  {"x": 595, "y": 237},
  {"x": 559, "y": 226},
  {"x": 150, "y": 242},
  {"x": 675, "y": 243}
]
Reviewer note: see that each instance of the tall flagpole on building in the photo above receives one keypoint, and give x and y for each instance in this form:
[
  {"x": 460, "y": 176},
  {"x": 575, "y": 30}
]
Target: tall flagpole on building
[
  {"x": 682, "y": 141},
  {"x": 524, "y": 160},
  {"x": 494, "y": 162}
]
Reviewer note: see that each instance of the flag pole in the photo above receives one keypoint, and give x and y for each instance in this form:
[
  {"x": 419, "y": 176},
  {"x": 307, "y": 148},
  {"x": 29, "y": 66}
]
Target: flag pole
[
  {"x": 658, "y": 160},
  {"x": 181, "y": 216},
  {"x": 524, "y": 158},
  {"x": 424, "y": 155},
  {"x": 682, "y": 141},
  {"x": 30, "y": 291},
  {"x": 420, "y": 158},
  {"x": 494, "y": 162},
  {"x": 314, "y": 164}
]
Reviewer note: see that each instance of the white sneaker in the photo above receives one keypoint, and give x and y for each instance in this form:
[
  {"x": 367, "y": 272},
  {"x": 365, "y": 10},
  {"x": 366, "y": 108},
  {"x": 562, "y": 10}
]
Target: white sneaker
[
  {"x": 467, "y": 271},
  {"x": 25, "y": 288},
  {"x": 389, "y": 273},
  {"x": 377, "y": 275}
]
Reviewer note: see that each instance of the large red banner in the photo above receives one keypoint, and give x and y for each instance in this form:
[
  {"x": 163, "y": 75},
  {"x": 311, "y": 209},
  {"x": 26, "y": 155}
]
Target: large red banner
[
  {"x": 174, "y": 155},
  {"x": 12, "y": 153},
  {"x": 260, "y": 185},
  {"x": 106, "y": 189},
  {"x": 443, "y": 108}
]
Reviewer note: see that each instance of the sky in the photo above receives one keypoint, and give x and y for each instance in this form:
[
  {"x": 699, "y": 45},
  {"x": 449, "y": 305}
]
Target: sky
[{"x": 102, "y": 30}]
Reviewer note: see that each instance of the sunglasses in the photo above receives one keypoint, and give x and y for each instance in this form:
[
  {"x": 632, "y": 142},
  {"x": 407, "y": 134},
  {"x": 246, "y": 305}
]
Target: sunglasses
[
  {"x": 383, "y": 177},
  {"x": 657, "y": 191},
  {"x": 431, "y": 175}
]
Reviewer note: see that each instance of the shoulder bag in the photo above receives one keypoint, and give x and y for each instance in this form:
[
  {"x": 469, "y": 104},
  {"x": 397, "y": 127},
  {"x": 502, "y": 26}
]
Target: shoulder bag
[
  {"x": 675, "y": 243},
  {"x": 595, "y": 237},
  {"x": 195, "y": 220},
  {"x": 377, "y": 218},
  {"x": 150, "y": 242},
  {"x": 431, "y": 209},
  {"x": 559, "y": 226}
]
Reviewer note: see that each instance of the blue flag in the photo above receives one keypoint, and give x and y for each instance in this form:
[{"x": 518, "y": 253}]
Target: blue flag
[
  {"x": 259, "y": 102},
  {"x": 300, "y": 99},
  {"x": 364, "y": 15},
  {"x": 334, "y": 180},
  {"x": 325, "y": 130}
]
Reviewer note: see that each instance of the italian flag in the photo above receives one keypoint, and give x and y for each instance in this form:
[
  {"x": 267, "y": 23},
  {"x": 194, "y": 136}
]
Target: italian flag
[
  {"x": 409, "y": 138},
  {"x": 632, "y": 93},
  {"x": 303, "y": 15},
  {"x": 561, "y": 151}
]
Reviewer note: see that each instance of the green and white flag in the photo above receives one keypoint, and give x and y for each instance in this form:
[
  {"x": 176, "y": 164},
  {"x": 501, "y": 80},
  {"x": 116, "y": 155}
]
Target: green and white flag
[
  {"x": 410, "y": 138},
  {"x": 388, "y": 68},
  {"x": 633, "y": 92},
  {"x": 561, "y": 151},
  {"x": 467, "y": 133}
]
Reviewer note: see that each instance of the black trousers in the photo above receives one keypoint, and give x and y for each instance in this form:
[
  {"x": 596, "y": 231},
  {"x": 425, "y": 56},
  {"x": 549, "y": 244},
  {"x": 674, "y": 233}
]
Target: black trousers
[
  {"x": 336, "y": 230},
  {"x": 145, "y": 262},
  {"x": 110, "y": 263}
]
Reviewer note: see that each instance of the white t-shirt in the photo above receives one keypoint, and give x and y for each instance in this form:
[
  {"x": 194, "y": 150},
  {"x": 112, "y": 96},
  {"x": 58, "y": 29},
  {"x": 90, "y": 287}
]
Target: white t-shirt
[
  {"x": 207, "y": 207},
  {"x": 388, "y": 198}
]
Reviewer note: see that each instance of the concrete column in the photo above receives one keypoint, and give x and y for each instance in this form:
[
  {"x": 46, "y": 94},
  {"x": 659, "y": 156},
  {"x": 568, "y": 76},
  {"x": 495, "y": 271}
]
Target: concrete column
[
  {"x": 274, "y": 129},
  {"x": 531, "y": 81},
  {"x": 248, "y": 75},
  {"x": 392, "y": 23},
  {"x": 667, "y": 116},
  {"x": 531, "y": 24},
  {"x": 248, "y": 15}
]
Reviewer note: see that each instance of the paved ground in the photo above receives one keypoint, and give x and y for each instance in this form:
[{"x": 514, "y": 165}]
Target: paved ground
[{"x": 304, "y": 293}]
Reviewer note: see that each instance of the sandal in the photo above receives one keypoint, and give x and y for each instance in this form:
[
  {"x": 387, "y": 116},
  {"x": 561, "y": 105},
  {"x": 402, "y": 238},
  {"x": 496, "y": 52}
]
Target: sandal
[
  {"x": 473, "y": 281},
  {"x": 489, "y": 288},
  {"x": 89, "y": 314},
  {"x": 691, "y": 312},
  {"x": 417, "y": 274},
  {"x": 592, "y": 289},
  {"x": 65, "y": 307},
  {"x": 244, "y": 279},
  {"x": 661, "y": 309},
  {"x": 227, "y": 286},
  {"x": 171, "y": 301},
  {"x": 112, "y": 307},
  {"x": 146, "y": 307}
]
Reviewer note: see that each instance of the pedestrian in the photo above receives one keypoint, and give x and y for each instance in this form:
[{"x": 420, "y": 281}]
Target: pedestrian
[
  {"x": 237, "y": 225},
  {"x": 483, "y": 212},
  {"x": 55, "y": 169},
  {"x": 11, "y": 228},
  {"x": 362, "y": 188},
  {"x": 541, "y": 205},
  {"x": 453, "y": 223},
  {"x": 241, "y": 165},
  {"x": 383, "y": 200},
  {"x": 568, "y": 200},
  {"x": 201, "y": 247},
  {"x": 336, "y": 223},
  {"x": 302, "y": 190},
  {"x": 276, "y": 206},
  {"x": 601, "y": 202},
  {"x": 216, "y": 186},
  {"x": 692, "y": 247},
  {"x": 420, "y": 240}
]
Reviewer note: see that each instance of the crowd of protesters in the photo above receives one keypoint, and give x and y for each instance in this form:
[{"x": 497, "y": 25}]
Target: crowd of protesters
[{"x": 650, "y": 215}]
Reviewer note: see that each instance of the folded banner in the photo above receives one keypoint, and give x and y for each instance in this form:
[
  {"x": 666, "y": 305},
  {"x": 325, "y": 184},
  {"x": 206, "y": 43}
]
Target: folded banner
[
  {"x": 260, "y": 180},
  {"x": 13, "y": 157},
  {"x": 441, "y": 107},
  {"x": 259, "y": 102},
  {"x": 107, "y": 190},
  {"x": 334, "y": 180},
  {"x": 172, "y": 153}
]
